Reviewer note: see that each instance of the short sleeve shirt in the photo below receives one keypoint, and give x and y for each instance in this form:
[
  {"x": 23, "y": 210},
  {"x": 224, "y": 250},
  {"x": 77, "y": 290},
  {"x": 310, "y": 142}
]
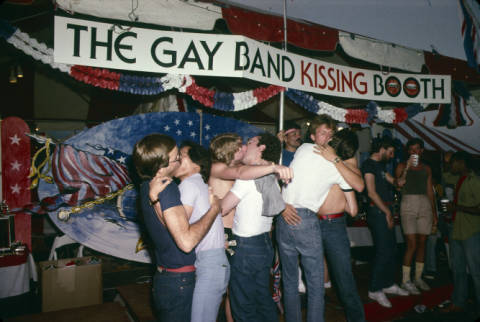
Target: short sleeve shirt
[
  {"x": 382, "y": 186},
  {"x": 194, "y": 193},
  {"x": 466, "y": 225},
  {"x": 167, "y": 253}
]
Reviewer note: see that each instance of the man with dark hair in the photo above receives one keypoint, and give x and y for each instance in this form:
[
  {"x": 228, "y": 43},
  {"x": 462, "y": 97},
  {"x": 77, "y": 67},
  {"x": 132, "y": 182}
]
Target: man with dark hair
[
  {"x": 156, "y": 158},
  {"x": 465, "y": 241},
  {"x": 256, "y": 202},
  {"x": 291, "y": 138},
  {"x": 379, "y": 185},
  {"x": 298, "y": 229},
  {"x": 418, "y": 213},
  {"x": 212, "y": 267},
  {"x": 336, "y": 244}
]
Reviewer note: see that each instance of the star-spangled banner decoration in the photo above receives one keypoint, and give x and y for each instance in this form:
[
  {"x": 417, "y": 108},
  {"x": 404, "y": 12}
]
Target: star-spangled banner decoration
[{"x": 15, "y": 170}]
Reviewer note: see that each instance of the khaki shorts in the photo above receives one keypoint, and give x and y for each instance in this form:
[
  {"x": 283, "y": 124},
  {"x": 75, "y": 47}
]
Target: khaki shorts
[{"x": 416, "y": 214}]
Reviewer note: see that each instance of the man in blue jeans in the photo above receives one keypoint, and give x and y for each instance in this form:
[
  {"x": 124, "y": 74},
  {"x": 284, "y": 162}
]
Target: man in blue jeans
[
  {"x": 298, "y": 230},
  {"x": 156, "y": 158},
  {"x": 257, "y": 201},
  {"x": 379, "y": 185},
  {"x": 331, "y": 214}
]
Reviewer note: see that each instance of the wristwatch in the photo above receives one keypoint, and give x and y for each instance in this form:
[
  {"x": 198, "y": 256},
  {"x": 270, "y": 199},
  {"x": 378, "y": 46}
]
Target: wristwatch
[
  {"x": 154, "y": 202},
  {"x": 336, "y": 160}
]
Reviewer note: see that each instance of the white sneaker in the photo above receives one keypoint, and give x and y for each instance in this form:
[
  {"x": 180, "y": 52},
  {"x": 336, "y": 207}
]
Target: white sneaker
[
  {"x": 327, "y": 284},
  {"x": 395, "y": 289},
  {"x": 422, "y": 285},
  {"x": 380, "y": 298},
  {"x": 411, "y": 288}
]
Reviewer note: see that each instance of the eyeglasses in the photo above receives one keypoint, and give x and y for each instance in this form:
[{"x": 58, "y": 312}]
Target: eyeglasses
[{"x": 178, "y": 158}]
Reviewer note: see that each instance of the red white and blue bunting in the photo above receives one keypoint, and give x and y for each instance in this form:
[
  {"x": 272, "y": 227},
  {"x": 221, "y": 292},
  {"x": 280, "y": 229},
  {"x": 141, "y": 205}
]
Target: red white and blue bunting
[{"x": 152, "y": 85}]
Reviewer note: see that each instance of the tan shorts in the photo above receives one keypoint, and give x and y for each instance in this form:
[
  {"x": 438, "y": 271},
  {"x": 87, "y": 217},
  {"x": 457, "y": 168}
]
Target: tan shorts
[{"x": 416, "y": 214}]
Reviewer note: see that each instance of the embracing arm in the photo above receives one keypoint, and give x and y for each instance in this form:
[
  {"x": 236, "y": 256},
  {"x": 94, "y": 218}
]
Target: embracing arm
[
  {"x": 249, "y": 172},
  {"x": 351, "y": 206},
  {"x": 229, "y": 202},
  {"x": 348, "y": 168}
]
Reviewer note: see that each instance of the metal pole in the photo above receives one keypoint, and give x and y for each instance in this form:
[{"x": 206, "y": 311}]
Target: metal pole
[{"x": 282, "y": 94}]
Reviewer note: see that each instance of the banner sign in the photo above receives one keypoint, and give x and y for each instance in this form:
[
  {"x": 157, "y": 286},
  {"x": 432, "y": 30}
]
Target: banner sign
[{"x": 107, "y": 45}]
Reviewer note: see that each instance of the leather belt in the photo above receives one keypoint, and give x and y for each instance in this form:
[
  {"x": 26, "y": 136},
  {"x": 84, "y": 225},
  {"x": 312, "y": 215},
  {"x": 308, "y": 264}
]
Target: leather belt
[
  {"x": 183, "y": 269},
  {"x": 331, "y": 216}
]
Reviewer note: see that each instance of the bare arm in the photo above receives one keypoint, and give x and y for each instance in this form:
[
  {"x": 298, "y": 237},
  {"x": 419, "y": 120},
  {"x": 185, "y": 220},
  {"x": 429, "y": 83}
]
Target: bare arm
[
  {"x": 229, "y": 202},
  {"x": 373, "y": 195},
  {"x": 348, "y": 168},
  {"x": 244, "y": 172},
  {"x": 187, "y": 236},
  {"x": 352, "y": 206}
]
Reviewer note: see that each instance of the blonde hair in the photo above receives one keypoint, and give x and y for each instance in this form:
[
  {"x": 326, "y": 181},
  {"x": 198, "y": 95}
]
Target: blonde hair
[{"x": 224, "y": 146}]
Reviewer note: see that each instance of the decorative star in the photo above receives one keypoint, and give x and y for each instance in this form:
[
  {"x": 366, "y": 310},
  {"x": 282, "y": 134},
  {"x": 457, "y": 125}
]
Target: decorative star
[
  {"x": 15, "y": 188},
  {"x": 179, "y": 132},
  {"x": 16, "y": 165},
  {"x": 15, "y": 140},
  {"x": 166, "y": 128},
  {"x": 110, "y": 151},
  {"x": 207, "y": 127},
  {"x": 121, "y": 159},
  {"x": 207, "y": 137},
  {"x": 193, "y": 134},
  {"x": 177, "y": 122},
  {"x": 190, "y": 123}
]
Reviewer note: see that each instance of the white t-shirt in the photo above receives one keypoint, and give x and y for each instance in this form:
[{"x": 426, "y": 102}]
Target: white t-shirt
[
  {"x": 194, "y": 193},
  {"x": 313, "y": 177},
  {"x": 248, "y": 220}
]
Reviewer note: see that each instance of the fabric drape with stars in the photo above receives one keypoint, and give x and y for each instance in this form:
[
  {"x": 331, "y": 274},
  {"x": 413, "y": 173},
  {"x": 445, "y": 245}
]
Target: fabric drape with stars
[{"x": 15, "y": 170}]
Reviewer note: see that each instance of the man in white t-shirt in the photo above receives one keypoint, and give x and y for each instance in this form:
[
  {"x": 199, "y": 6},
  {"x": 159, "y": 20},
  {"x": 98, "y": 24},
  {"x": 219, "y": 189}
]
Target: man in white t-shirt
[
  {"x": 256, "y": 202},
  {"x": 314, "y": 176}
]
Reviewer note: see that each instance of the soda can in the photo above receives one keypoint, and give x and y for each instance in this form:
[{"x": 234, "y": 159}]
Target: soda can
[{"x": 415, "y": 158}]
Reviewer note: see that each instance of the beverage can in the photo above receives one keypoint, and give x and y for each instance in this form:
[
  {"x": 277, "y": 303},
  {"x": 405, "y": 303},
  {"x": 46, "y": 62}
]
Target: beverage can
[{"x": 415, "y": 158}]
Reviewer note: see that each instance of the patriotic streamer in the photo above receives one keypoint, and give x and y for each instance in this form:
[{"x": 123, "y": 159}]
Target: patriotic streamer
[
  {"x": 470, "y": 35},
  {"x": 372, "y": 112},
  {"x": 152, "y": 85}
]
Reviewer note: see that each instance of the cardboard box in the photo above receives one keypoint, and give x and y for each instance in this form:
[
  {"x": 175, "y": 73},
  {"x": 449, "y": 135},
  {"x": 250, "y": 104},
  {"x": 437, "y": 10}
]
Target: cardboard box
[{"x": 69, "y": 286}]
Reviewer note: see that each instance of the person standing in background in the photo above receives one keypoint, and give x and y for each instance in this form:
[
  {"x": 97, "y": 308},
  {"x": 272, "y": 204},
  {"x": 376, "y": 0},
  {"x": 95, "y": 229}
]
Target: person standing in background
[
  {"x": 465, "y": 241},
  {"x": 380, "y": 221},
  {"x": 418, "y": 213}
]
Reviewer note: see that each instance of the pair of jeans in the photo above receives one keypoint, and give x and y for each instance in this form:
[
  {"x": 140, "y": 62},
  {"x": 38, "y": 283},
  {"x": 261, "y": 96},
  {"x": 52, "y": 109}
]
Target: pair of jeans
[
  {"x": 431, "y": 253},
  {"x": 336, "y": 247},
  {"x": 384, "y": 262},
  {"x": 250, "y": 293},
  {"x": 304, "y": 240},
  {"x": 212, "y": 275},
  {"x": 172, "y": 295},
  {"x": 465, "y": 253}
]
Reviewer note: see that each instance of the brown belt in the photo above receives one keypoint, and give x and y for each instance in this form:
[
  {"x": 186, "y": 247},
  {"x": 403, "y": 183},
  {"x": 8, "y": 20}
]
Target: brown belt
[
  {"x": 183, "y": 269},
  {"x": 332, "y": 216}
]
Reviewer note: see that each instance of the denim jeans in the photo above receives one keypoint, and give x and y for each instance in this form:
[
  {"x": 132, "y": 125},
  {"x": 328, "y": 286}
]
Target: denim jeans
[
  {"x": 384, "y": 262},
  {"x": 250, "y": 294},
  {"x": 304, "y": 239},
  {"x": 465, "y": 253},
  {"x": 212, "y": 275},
  {"x": 172, "y": 295},
  {"x": 431, "y": 253},
  {"x": 336, "y": 247}
]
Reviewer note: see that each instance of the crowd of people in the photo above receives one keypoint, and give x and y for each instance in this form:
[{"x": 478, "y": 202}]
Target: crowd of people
[{"x": 215, "y": 234}]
